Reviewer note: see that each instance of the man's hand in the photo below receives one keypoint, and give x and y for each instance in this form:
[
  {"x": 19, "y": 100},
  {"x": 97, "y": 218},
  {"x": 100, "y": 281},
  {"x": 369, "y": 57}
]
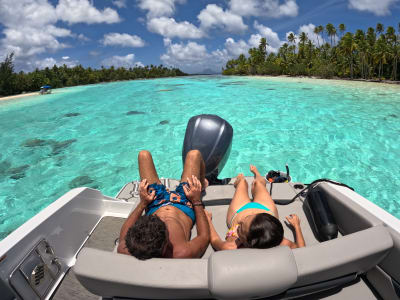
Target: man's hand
[
  {"x": 193, "y": 191},
  {"x": 146, "y": 197},
  {"x": 294, "y": 220}
]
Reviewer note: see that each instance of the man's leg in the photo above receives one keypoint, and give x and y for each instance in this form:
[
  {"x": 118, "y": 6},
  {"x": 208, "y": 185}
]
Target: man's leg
[
  {"x": 240, "y": 198},
  {"x": 260, "y": 193},
  {"x": 147, "y": 170},
  {"x": 194, "y": 165}
]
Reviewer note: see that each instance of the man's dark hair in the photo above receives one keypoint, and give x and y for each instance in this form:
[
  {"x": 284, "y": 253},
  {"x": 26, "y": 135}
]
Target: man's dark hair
[
  {"x": 147, "y": 237},
  {"x": 265, "y": 231}
]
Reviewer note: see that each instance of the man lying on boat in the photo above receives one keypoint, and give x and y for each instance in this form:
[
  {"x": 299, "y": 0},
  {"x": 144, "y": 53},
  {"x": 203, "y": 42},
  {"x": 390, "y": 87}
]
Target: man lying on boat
[
  {"x": 254, "y": 224},
  {"x": 164, "y": 230}
]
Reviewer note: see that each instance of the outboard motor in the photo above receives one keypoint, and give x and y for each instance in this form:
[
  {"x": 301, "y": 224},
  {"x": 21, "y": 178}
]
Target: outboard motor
[
  {"x": 325, "y": 225},
  {"x": 212, "y": 136}
]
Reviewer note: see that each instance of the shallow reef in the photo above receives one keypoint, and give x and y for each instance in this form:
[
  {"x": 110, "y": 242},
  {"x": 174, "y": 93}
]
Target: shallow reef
[
  {"x": 135, "y": 112},
  {"x": 82, "y": 180},
  {"x": 72, "y": 115},
  {"x": 56, "y": 147},
  {"x": 13, "y": 172},
  {"x": 34, "y": 143}
]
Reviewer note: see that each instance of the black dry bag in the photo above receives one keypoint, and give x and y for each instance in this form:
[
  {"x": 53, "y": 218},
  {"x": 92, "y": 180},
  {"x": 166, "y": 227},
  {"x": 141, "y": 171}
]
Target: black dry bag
[{"x": 325, "y": 225}]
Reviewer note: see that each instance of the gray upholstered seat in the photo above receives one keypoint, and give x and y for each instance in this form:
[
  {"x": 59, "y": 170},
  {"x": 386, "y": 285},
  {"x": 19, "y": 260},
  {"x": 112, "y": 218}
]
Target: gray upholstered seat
[{"x": 243, "y": 273}]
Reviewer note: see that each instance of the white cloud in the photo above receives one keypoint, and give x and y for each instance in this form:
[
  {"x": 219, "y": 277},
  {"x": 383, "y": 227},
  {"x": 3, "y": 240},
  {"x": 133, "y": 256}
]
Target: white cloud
[
  {"x": 272, "y": 37},
  {"x": 214, "y": 16},
  {"x": 32, "y": 27},
  {"x": 119, "y": 3},
  {"x": 192, "y": 57},
  {"x": 236, "y": 48},
  {"x": 169, "y": 28},
  {"x": 379, "y": 8},
  {"x": 31, "y": 41},
  {"x": 159, "y": 8},
  {"x": 126, "y": 61},
  {"x": 82, "y": 37},
  {"x": 49, "y": 62},
  {"x": 267, "y": 8},
  {"x": 94, "y": 53},
  {"x": 122, "y": 39},
  {"x": 83, "y": 11},
  {"x": 309, "y": 30},
  {"x": 65, "y": 57}
]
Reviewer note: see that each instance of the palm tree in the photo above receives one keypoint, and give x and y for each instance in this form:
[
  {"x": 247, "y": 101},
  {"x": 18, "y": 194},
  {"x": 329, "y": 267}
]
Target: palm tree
[
  {"x": 292, "y": 39},
  {"x": 302, "y": 41},
  {"x": 331, "y": 31},
  {"x": 262, "y": 48},
  {"x": 362, "y": 46},
  {"x": 348, "y": 47},
  {"x": 317, "y": 32},
  {"x": 321, "y": 30},
  {"x": 379, "y": 28},
  {"x": 303, "y": 38},
  {"x": 380, "y": 54},
  {"x": 342, "y": 29}
]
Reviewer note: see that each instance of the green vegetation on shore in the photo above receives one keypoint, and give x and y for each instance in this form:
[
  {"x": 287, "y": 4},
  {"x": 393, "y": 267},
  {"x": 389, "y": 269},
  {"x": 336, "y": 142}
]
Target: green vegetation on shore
[
  {"x": 374, "y": 54},
  {"x": 12, "y": 83}
]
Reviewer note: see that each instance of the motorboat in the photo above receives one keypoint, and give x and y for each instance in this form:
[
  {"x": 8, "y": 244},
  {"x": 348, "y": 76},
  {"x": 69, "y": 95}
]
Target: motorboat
[
  {"x": 68, "y": 250},
  {"x": 45, "y": 90}
]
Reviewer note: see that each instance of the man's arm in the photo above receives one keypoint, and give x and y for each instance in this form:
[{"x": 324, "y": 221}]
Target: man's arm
[
  {"x": 196, "y": 247},
  {"x": 145, "y": 198}
]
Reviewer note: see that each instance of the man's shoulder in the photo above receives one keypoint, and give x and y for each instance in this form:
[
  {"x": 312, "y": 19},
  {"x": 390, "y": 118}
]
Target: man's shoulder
[{"x": 182, "y": 251}]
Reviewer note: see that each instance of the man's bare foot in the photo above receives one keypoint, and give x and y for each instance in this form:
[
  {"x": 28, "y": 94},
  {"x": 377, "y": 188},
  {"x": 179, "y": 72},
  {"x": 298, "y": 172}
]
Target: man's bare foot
[
  {"x": 256, "y": 173},
  {"x": 239, "y": 178},
  {"x": 204, "y": 184}
]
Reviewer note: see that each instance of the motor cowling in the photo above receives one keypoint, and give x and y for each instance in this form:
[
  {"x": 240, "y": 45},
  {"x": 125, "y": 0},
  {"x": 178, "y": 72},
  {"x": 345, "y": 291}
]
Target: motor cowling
[{"x": 212, "y": 136}]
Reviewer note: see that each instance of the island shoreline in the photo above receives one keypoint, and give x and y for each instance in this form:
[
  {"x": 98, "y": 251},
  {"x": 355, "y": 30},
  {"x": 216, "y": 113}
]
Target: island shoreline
[
  {"x": 12, "y": 97},
  {"x": 5, "y": 98}
]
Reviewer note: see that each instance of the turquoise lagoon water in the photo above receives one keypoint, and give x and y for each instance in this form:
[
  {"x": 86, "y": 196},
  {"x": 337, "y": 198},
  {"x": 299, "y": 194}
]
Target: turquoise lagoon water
[{"x": 346, "y": 131}]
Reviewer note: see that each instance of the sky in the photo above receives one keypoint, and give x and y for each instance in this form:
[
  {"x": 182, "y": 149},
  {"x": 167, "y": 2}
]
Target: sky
[{"x": 197, "y": 36}]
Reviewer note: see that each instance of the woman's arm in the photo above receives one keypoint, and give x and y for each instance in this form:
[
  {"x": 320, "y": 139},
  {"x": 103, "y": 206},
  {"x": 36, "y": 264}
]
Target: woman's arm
[
  {"x": 216, "y": 242},
  {"x": 294, "y": 220}
]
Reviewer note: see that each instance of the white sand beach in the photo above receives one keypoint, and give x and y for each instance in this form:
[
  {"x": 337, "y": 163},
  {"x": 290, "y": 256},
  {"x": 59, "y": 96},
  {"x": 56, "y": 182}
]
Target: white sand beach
[{"x": 19, "y": 96}]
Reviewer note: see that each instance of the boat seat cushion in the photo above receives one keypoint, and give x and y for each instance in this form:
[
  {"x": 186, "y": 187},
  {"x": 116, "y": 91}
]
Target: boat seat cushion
[
  {"x": 354, "y": 253},
  {"x": 109, "y": 274},
  {"x": 251, "y": 273},
  {"x": 232, "y": 274}
]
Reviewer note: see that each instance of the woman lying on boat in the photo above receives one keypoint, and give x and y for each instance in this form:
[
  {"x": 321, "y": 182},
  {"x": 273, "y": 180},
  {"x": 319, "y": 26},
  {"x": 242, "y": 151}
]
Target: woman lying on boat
[{"x": 254, "y": 224}]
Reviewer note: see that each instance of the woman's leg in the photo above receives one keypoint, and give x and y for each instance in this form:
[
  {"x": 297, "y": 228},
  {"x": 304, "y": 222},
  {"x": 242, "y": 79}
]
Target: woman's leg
[
  {"x": 260, "y": 193},
  {"x": 147, "y": 170},
  {"x": 240, "y": 198}
]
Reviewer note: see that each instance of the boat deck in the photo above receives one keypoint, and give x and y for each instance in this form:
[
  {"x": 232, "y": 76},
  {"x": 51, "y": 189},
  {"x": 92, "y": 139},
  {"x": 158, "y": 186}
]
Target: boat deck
[{"x": 216, "y": 200}]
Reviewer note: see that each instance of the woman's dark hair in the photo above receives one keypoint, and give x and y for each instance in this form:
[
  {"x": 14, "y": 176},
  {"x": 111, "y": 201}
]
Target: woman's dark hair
[
  {"x": 265, "y": 231},
  {"x": 147, "y": 237}
]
